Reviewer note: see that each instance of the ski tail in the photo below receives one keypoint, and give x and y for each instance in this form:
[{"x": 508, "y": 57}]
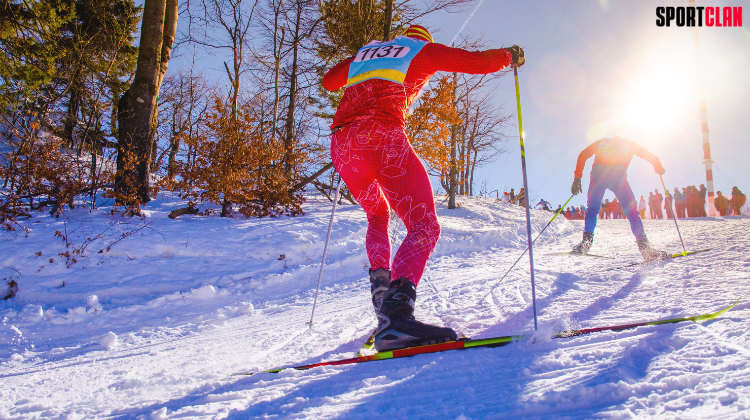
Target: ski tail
[{"x": 670, "y": 257}]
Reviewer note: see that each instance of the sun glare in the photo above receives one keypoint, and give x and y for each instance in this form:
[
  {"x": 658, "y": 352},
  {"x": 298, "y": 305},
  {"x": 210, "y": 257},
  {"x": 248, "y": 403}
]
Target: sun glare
[{"x": 659, "y": 98}]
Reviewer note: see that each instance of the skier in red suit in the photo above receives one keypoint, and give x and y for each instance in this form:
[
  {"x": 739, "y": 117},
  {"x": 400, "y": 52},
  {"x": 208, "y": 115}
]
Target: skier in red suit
[{"x": 370, "y": 151}]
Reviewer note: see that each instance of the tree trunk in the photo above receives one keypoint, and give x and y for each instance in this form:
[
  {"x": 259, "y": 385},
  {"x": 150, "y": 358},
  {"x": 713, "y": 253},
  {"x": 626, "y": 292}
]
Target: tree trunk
[
  {"x": 471, "y": 179},
  {"x": 278, "y": 44},
  {"x": 172, "y": 160},
  {"x": 388, "y": 20},
  {"x": 453, "y": 172},
  {"x": 138, "y": 104},
  {"x": 289, "y": 126}
]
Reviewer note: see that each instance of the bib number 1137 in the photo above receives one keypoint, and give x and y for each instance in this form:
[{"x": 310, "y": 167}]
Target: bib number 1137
[{"x": 388, "y": 51}]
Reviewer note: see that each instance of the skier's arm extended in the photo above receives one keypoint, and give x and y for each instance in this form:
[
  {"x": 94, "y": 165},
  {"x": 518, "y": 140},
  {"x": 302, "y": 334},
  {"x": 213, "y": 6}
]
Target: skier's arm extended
[
  {"x": 651, "y": 158},
  {"x": 444, "y": 58},
  {"x": 435, "y": 57},
  {"x": 584, "y": 156},
  {"x": 337, "y": 76}
]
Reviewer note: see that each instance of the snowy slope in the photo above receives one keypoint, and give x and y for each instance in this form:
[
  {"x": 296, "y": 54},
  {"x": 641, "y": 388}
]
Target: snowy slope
[{"x": 154, "y": 327}]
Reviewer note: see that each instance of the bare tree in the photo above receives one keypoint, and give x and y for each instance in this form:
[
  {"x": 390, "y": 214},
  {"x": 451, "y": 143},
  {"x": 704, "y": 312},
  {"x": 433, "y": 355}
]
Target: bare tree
[
  {"x": 225, "y": 25},
  {"x": 182, "y": 105},
  {"x": 288, "y": 57},
  {"x": 482, "y": 131}
]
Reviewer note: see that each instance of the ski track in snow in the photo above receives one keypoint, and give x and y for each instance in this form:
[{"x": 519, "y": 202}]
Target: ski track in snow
[{"x": 156, "y": 327}]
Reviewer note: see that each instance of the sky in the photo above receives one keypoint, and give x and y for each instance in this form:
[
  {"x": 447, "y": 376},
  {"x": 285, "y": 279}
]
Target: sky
[{"x": 600, "y": 68}]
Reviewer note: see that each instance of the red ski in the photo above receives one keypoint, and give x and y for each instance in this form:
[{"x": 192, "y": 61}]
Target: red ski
[{"x": 490, "y": 342}]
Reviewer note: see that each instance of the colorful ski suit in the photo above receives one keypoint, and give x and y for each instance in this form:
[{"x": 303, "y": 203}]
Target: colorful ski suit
[
  {"x": 609, "y": 171},
  {"x": 370, "y": 150}
]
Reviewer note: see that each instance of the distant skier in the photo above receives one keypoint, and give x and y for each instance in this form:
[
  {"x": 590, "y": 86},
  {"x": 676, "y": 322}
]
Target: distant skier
[
  {"x": 370, "y": 150},
  {"x": 609, "y": 171},
  {"x": 544, "y": 204}
]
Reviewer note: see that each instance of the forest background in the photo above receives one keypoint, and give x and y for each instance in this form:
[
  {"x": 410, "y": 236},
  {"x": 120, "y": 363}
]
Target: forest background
[{"x": 94, "y": 112}]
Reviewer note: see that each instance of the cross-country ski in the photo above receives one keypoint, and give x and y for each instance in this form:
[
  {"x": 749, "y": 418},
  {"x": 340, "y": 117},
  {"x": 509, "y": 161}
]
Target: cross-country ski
[
  {"x": 225, "y": 209},
  {"x": 491, "y": 342}
]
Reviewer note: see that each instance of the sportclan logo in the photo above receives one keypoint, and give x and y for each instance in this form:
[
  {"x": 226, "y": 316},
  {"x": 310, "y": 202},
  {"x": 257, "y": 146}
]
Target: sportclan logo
[{"x": 699, "y": 16}]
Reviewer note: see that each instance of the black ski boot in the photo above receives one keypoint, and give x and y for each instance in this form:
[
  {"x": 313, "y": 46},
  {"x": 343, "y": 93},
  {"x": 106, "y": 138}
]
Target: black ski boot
[
  {"x": 380, "y": 279},
  {"x": 397, "y": 328},
  {"x": 648, "y": 253},
  {"x": 585, "y": 245}
]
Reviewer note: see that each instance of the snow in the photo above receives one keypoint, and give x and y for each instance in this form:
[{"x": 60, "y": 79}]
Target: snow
[{"x": 155, "y": 325}]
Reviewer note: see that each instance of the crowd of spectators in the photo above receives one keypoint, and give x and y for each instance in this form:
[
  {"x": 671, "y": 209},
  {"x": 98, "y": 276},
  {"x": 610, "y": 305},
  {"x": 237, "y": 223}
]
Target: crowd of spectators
[{"x": 690, "y": 202}]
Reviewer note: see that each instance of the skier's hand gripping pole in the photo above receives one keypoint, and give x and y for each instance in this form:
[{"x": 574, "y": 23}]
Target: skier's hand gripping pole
[
  {"x": 576, "y": 188},
  {"x": 518, "y": 56},
  {"x": 674, "y": 213},
  {"x": 497, "y": 283}
]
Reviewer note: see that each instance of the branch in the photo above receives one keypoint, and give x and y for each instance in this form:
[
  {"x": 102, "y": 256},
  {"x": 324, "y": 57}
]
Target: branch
[
  {"x": 312, "y": 177},
  {"x": 185, "y": 210}
]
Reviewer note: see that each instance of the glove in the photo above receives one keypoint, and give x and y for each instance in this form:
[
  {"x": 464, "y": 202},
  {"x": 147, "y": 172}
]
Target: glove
[
  {"x": 518, "y": 56},
  {"x": 576, "y": 188},
  {"x": 659, "y": 170}
]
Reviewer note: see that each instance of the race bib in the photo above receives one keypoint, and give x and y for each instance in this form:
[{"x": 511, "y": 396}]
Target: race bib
[
  {"x": 384, "y": 60},
  {"x": 617, "y": 145},
  {"x": 387, "y": 51}
]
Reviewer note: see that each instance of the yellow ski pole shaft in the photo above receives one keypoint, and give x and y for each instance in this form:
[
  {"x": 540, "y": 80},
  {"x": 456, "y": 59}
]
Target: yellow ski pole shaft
[{"x": 526, "y": 195}]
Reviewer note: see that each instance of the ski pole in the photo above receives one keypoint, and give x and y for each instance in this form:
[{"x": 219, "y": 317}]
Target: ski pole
[
  {"x": 674, "y": 217},
  {"x": 526, "y": 195},
  {"x": 524, "y": 251},
  {"x": 325, "y": 250}
]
